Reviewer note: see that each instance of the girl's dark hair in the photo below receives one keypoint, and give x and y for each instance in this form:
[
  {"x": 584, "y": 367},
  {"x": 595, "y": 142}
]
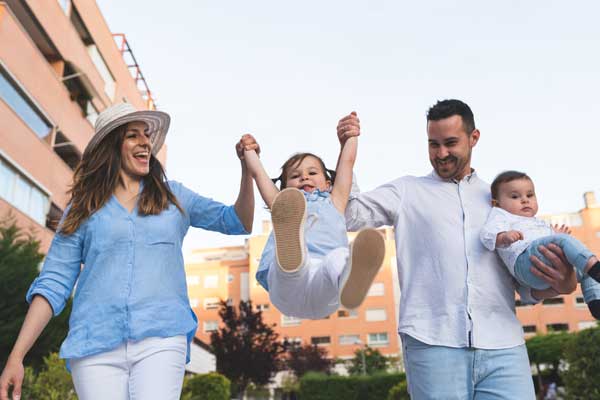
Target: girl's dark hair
[
  {"x": 505, "y": 177},
  {"x": 97, "y": 176},
  {"x": 297, "y": 159}
]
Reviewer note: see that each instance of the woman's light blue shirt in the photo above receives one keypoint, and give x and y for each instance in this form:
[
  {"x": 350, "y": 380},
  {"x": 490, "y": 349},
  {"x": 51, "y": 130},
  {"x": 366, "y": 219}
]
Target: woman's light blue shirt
[{"x": 132, "y": 282}]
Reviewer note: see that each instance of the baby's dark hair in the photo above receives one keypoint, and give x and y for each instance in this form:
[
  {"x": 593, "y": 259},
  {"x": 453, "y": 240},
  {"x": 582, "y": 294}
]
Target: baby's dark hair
[
  {"x": 297, "y": 159},
  {"x": 505, "y": 177}
]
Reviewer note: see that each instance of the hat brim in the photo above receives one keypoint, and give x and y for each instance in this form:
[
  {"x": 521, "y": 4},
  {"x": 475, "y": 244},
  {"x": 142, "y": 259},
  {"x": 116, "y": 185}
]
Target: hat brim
[{"x": 158, "y": 125}]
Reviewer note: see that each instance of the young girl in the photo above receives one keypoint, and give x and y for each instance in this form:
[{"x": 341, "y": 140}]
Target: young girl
[
  {"x": 305, "y": 265},
  {"x": 513, "y": 230}
]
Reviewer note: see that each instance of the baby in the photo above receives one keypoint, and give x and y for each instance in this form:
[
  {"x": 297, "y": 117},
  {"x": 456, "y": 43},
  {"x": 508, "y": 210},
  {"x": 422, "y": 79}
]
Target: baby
[{"x": 513, "y": 230}]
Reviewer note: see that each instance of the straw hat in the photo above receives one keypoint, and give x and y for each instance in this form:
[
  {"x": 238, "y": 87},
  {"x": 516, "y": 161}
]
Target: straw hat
[{"x": 122, "y": 113}]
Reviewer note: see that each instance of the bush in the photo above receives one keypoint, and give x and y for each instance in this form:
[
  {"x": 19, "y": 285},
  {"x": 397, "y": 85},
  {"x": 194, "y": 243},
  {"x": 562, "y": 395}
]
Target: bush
[
  {"x": 399, "y": 392},
  {"x": 582, "y": 354},
  {"x": 211, "y": 386},
  {"x": 53, "y": 383},
  {"x": 322, "y": 387}
]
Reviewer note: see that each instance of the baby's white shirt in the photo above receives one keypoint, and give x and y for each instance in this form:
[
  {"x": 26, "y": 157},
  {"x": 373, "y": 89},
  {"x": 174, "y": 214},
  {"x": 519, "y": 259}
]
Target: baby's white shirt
[{"x": 500, "y": 220}]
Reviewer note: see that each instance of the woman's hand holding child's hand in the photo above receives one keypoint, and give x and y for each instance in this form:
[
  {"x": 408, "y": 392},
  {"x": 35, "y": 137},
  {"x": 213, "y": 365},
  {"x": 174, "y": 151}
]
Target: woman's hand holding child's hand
[{"x": 246, "y": 143}]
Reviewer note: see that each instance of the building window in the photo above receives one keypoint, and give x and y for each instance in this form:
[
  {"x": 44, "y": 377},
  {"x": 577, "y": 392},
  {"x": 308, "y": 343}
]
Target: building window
[
  {"x": 378, "y": 339},
  {"x": 193, "y": 302},
  {"x": 211, "y": 326},
  {"x": 192, "y": 280},
  {"x": 66, "y": 150},
  {"x": 376, "y": 314},
  {"x": 529, "y": 329},
  {"x": 290, "y": 321},
  {"x": 586, "y": 324},
  {"x": 519, "y": 303},
  {"x": 557, "y": 327},
  {"x": 53, "y": 218},
  {"x": 65, "y": 5},
  {"x": 555, "y": 301},
  {"x": 292, "y": 342},
  {"x": 23, "y": 106},
  {"x": 320, "y": 340},
  {"x": 579, "y": 302},
  {"x": 262, "y": 307},
  {"x": 211, "y": 303},
  {"x": 211, "y": 281},
  {"x": 349, "y": 339},
  {"x": 342, "y": 313},
  {"x": 376, "y": 289},
  {"x": 98, "y": 60},
  {"x": 22, "y": 193},
  {"x": 91, "y": 113}
]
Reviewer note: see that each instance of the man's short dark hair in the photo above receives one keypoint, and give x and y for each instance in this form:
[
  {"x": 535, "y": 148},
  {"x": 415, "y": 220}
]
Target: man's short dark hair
[
  {"x": 448, "y": 108},
  {"x": 505, "y": 177}
]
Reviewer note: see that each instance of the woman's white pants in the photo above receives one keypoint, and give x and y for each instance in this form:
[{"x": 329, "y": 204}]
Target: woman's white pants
[{"x": 149, "y": 369}]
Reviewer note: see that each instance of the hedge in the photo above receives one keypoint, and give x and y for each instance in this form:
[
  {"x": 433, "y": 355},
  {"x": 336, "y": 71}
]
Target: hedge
[
  {"x": 211, "y": 386},
  {"x": 356, "y": 387}
]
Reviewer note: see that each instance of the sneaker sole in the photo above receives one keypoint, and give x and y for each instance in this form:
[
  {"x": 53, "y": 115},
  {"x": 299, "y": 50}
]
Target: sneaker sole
[
  {"x": 367, "y": 254},
  {"x": 288, "y": 214}
]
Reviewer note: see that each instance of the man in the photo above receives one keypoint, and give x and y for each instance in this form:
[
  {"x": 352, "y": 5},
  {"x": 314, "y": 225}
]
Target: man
[{"x": 461, "y": 338}]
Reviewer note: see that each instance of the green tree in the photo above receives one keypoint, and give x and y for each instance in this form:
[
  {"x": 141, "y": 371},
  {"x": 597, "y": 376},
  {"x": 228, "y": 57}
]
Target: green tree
[
  {"x": 548, "y": 349},
  {"x": 370, "y": 359},
  {"x": 302, "y": 359},
  {"x": 582, "y": 354},
  {"x": 20, "y": 259},
  {"x": 247, "y": 350}
]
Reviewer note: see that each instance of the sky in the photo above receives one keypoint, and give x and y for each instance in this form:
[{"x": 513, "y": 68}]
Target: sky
[{"x": 286, "y": 72}]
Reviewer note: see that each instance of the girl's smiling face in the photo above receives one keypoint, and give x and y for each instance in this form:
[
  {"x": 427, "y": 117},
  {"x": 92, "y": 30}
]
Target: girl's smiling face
[{"x": 307, "y": 175}]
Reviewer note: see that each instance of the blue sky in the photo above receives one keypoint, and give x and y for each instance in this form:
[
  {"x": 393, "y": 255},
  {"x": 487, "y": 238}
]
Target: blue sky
[{"x": 287, "y": 71}]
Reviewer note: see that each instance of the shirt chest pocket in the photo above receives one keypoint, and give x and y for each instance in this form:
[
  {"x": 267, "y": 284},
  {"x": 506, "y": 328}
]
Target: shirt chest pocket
[{"x": 161, "y": 230}]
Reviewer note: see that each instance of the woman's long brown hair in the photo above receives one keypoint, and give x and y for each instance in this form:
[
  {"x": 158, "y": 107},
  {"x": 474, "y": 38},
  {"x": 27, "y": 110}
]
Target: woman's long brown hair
[{"x": 97, "y": 176}]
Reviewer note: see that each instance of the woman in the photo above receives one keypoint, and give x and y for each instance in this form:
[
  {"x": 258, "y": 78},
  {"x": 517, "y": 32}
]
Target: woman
[{"x": 120, "y": 240}]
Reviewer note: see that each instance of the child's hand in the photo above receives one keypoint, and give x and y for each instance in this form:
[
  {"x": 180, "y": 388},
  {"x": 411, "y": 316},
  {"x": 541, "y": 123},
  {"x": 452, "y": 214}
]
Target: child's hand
[
  {"x": 505, "y": 239},
  {"x": 561, "y": 229},
  {"x": 348, "y": 127},
  {"x": 246, "y": 143}
]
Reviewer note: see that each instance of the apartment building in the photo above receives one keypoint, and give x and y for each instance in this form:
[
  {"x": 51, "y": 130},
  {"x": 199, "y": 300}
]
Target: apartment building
[
  {"x": 229, "y": 274},
  {"x": 60, "y": 66},
  {"x": 569, "y": 312}
]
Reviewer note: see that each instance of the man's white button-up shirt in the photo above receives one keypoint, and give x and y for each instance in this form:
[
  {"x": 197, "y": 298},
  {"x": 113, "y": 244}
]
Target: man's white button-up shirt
[{"x": 453, "y": 291}]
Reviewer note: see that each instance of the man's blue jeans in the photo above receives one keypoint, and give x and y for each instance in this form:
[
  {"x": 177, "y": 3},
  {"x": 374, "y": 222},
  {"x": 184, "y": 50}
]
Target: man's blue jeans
[{"x": 438, "y": 372}]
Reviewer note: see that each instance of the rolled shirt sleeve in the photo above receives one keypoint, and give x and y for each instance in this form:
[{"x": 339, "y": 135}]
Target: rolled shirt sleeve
[
  {"x": 60, "y": 270},
  {"x": 207, "y": 213}
]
